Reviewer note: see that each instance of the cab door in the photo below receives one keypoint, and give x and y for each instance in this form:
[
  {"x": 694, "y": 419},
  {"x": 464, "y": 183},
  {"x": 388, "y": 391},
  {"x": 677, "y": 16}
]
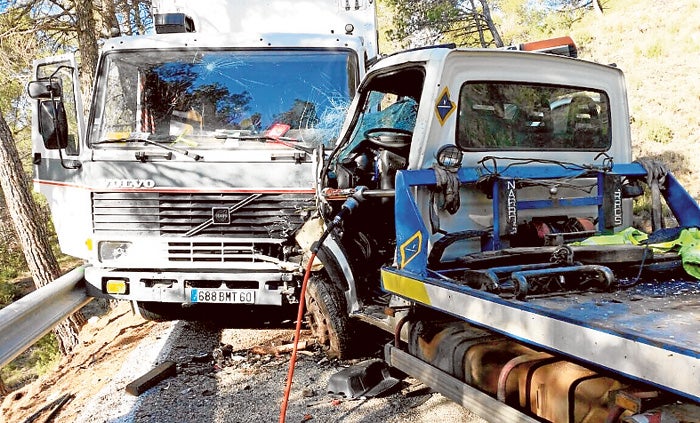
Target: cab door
[
  {"x": 63, "y": 69},
  {"x": 59, "y": 159}
]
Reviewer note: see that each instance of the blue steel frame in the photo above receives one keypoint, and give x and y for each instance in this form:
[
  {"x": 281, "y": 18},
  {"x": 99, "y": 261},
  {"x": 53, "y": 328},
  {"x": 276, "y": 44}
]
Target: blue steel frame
[{"x": 412, "y": 234}]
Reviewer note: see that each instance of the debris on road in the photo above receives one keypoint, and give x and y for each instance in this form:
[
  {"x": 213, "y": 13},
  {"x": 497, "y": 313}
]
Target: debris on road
[{"x": 152, "y": 378}]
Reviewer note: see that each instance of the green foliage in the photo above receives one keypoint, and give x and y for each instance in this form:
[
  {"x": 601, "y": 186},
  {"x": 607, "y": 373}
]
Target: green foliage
[
  {"x": 45, "y": 353},
  {"x": 528, "y": 20},
  {"x": 655, "y": 50},
  {"x": 12, "y": 261},
  {"x": 36, "y": 361},
  {"x": 656, "y": 131},
  {"x": 8, "y": 293},
  {"x": 426, "y": 22},
  {"x": 584, "y": 37}
]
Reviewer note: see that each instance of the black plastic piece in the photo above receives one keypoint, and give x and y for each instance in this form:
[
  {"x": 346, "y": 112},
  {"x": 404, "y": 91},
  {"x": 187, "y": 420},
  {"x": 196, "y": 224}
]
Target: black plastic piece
[{"x": 368, "y": 379}]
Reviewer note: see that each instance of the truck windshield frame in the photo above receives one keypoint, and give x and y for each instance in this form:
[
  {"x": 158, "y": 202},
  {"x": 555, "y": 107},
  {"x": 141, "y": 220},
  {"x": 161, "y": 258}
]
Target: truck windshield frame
[
  {"x": 220, "y": 98},
  {"x": 498, "y": 115}
]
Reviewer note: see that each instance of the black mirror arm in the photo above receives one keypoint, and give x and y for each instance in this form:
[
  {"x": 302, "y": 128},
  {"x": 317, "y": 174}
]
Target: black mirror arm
[{"x": 70, "y": 164}]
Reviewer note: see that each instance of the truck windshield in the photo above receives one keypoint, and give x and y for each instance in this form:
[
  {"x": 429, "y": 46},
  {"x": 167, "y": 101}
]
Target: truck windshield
[
  {"x": 517, "y": 116},
  {"x": 219, "y": 99}
]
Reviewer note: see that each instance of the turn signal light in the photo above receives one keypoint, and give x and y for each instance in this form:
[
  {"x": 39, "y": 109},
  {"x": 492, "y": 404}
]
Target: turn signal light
[{"x": 116, "y": 286}]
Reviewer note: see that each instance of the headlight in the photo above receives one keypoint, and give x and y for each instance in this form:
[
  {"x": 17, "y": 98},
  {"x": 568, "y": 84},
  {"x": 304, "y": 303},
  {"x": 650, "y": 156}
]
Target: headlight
[
  {"x": 449, "y": 156},
  {"x": 113, "y": 250}
]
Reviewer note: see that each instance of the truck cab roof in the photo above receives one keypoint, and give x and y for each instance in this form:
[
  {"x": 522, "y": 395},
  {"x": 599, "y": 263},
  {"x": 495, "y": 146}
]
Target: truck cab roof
[{"x": 255, "y": 40}]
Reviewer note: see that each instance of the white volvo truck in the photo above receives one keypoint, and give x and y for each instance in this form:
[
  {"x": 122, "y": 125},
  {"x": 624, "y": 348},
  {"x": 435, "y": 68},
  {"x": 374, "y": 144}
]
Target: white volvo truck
[{"x": 195, "y": 167}]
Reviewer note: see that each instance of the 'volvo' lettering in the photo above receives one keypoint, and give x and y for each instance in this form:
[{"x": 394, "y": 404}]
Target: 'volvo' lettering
[{"x": 130, "y": 183}]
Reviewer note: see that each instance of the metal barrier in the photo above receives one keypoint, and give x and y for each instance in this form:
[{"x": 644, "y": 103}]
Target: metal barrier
[{"x": 26, "y": 320}]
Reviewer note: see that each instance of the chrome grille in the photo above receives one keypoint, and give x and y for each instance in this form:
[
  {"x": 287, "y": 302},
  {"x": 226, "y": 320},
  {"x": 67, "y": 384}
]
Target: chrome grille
[
  {"x": 222, "y": 252},
  {"x": 166, "y": 214}
]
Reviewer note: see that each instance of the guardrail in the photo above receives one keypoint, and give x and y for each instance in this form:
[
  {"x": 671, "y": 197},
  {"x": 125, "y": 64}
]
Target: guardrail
[{"x": 26, "y": 320}]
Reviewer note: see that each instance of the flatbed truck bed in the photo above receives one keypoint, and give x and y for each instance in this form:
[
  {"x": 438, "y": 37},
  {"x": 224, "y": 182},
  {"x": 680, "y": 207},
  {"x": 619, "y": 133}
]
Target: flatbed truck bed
[{"x": 649, "y": 332}]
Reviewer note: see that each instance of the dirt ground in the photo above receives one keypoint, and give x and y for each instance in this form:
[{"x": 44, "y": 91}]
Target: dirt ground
[{"x": 105, "y": 340}]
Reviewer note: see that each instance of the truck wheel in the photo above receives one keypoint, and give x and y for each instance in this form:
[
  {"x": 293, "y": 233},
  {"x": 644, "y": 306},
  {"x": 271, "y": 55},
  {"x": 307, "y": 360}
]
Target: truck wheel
[
  {"x": 157, "y": 312},
  {"x": 327, "y": 316}
]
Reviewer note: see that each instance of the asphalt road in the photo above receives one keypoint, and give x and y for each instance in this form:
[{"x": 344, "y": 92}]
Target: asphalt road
[{"x": 235, "y": 375}]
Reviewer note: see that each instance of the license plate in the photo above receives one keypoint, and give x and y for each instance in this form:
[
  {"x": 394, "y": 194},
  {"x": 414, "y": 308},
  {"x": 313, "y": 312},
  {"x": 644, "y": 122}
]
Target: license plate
[{"x": 227, "y": 296}]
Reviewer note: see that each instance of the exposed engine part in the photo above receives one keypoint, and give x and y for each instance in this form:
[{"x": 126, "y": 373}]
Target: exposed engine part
[{"x": 554, "y": 230}]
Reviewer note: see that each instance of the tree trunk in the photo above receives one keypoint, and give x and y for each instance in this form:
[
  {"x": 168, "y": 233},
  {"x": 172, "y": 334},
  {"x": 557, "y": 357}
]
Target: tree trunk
[
  {"x": 3, "y": 388},
  {"x": 108, "y": 18},
  {"x": 489, "y": 21},
  {"x": 478, "y": 25},
  {"x": 31, "y": 231},
  {"x": 598, "y": 7},
  {"x": 138, "y": 23},
  {"x": 87, "y": 45}
]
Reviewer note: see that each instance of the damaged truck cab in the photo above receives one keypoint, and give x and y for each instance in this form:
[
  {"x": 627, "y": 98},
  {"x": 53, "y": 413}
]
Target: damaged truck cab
[
  {"x": 195, "y": 167},
  {"x": 488, "y": 201}
]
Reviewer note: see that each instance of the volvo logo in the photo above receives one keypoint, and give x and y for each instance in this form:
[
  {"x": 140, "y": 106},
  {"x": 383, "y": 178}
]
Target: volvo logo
[
  {"x": 130, "y": 183},
  {"x": 220, "y": 216}
]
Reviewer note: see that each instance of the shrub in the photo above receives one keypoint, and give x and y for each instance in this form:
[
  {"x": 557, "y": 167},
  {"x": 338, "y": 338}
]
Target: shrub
[
  {"x": 36, "y": 361},
  {"x": 655, "y": 50},
  {"x": 656, "y": 131},
  {"x": 8, "y": 293},
  {"x": 660, "y": 133}
]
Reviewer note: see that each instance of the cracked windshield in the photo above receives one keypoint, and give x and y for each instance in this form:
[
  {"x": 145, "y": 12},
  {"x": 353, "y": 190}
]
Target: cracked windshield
[{"x": 223, "y": 99}]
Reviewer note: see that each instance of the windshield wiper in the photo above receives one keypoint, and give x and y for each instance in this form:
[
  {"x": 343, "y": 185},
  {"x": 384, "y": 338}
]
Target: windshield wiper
[
  {"x": 286, "y": 141},
  {"x": 150, "y": 139}
]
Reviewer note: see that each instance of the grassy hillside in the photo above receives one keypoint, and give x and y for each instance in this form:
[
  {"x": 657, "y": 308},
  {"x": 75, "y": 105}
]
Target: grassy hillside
[{"x": 657, "y": 45}]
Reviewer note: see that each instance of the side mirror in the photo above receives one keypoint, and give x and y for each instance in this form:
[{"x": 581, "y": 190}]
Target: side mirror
[
  {"x": 53, "y": 124},
  {"x": 44, "y": 89}
]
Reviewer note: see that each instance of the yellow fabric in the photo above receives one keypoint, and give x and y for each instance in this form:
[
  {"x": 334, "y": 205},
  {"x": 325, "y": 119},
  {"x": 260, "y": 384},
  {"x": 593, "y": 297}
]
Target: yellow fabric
[
  {"x": 690, "y": 251},
  {"x": 687, "y": 243},
  {"x": 626, "y": 236}
]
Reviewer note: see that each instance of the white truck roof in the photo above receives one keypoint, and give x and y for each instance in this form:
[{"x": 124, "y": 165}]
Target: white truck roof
[{"x": 323, "y": 17}]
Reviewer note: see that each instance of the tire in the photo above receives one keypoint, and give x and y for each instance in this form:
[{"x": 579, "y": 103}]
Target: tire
[
  {"x": 327, "y": 317},
  {"x": 158, "y": 312}
]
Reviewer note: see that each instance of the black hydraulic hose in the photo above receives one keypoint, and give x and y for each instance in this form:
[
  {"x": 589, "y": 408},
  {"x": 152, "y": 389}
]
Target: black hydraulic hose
[{"x": 351, "y": 203}]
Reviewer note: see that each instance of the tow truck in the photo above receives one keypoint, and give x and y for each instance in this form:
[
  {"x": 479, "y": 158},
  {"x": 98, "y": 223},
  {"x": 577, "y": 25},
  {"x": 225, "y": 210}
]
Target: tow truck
[{"x": 482, "y": 206}]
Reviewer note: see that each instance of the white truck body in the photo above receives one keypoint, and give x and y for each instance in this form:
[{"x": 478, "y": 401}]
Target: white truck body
[
  {"x": 196, "y": 165},
  {"x": 323, "y": 17}
]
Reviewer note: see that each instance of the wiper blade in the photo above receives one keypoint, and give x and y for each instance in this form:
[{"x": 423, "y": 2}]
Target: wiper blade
[
  {"x": 150, "y": 140},
  {"x": 286, "y": 141}
]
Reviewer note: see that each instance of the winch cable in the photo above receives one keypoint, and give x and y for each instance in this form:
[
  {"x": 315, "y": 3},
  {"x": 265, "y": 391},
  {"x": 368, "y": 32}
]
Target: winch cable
[{"x": 346, "y": 209}]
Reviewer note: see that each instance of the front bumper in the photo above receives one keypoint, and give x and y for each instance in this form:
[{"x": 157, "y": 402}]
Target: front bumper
[{"x": 268, "y": 288}]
